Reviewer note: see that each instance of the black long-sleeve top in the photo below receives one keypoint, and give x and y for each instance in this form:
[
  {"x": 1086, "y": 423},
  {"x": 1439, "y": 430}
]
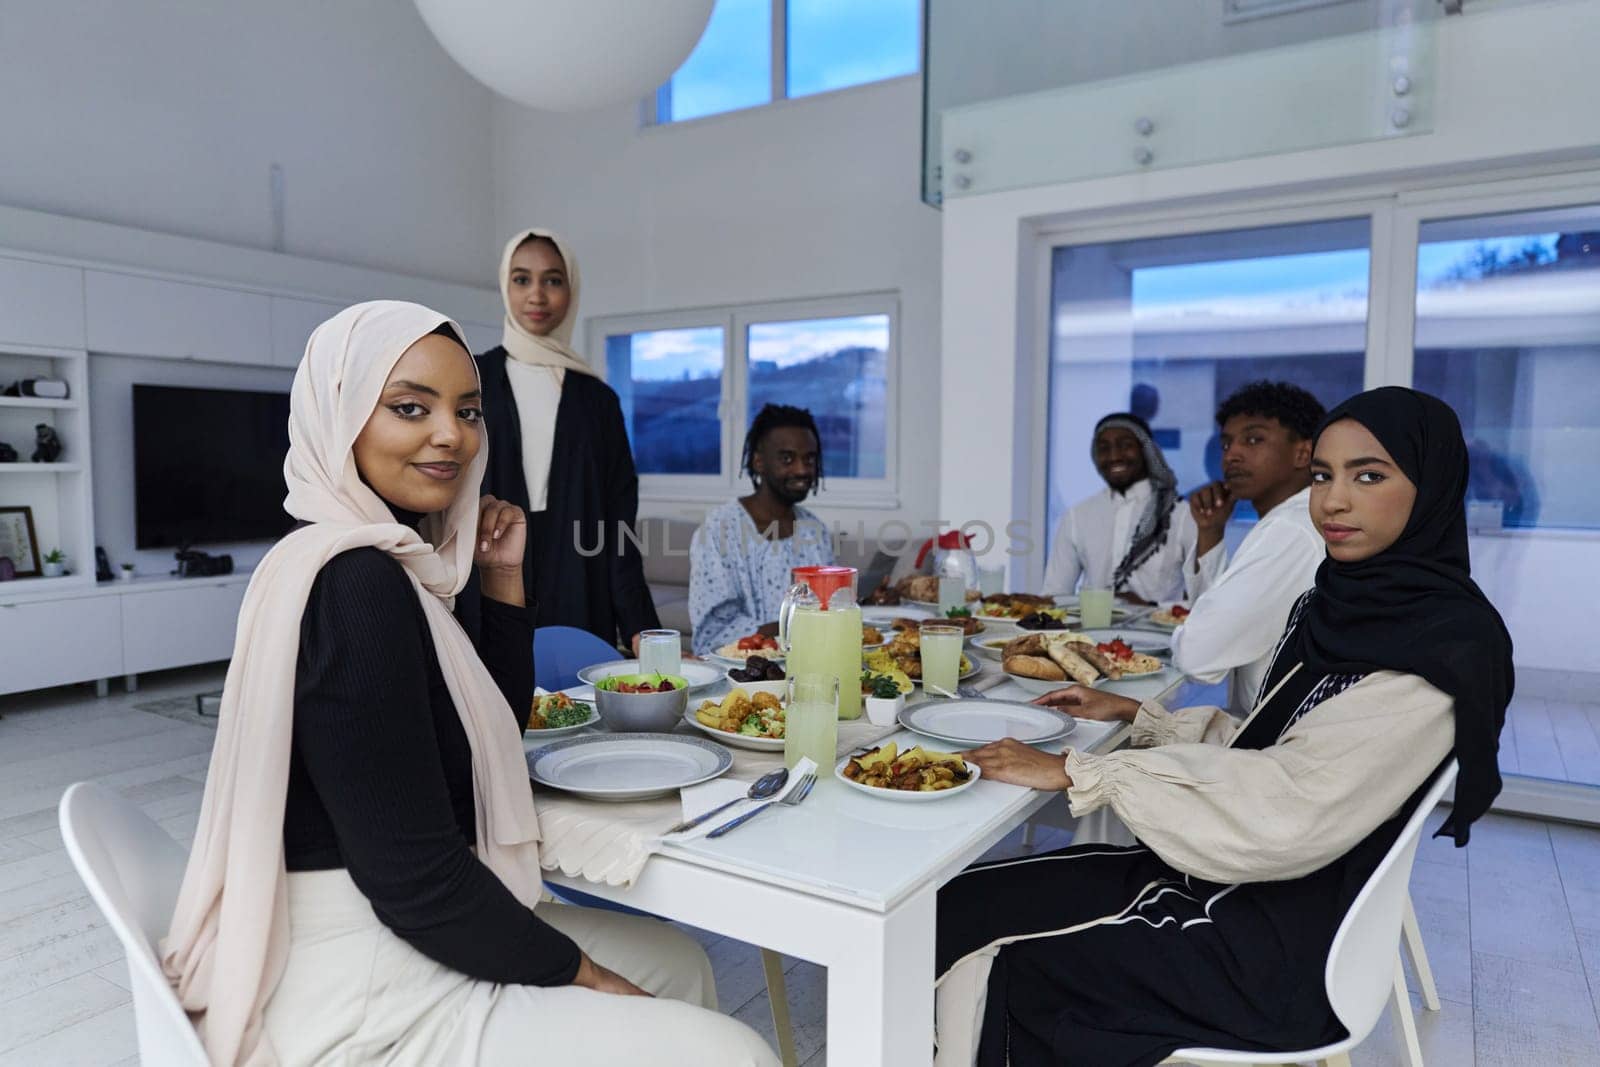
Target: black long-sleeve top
[
  {"x": 580, "y": 571},
  {"x": 380, "y": 777}
]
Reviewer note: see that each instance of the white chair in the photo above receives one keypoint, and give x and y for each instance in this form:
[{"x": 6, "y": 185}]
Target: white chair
[
  {"x": 1363, "y": 970},
  {"x": 133, "y": 868}
]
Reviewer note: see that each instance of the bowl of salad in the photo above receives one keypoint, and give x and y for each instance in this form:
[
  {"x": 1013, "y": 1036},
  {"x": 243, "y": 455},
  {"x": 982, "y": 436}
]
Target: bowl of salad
[{"x": 642, "y": 703}]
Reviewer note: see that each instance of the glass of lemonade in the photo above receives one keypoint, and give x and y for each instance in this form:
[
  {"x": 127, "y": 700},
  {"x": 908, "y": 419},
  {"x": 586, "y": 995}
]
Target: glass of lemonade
[
  {"x": 1094, "y": 608},
  {"x": 811, "y": 720},
  {"x": 941, "y": 657},
  {"x": 660, "y": 652}
]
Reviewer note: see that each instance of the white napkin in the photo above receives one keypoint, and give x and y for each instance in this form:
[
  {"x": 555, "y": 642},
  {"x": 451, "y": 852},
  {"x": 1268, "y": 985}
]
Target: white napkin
[{"x": 704, "y": 797}]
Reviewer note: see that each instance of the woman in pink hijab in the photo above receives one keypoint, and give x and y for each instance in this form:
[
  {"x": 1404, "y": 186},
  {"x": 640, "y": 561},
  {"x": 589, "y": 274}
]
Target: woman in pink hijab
[{"x": 364, "y": 884}]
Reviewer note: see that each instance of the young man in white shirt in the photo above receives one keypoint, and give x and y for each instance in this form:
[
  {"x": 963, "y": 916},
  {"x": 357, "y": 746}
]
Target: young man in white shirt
[
  {"x": 1131, "y": 538},
  {"x": 1240, "y": 605}
]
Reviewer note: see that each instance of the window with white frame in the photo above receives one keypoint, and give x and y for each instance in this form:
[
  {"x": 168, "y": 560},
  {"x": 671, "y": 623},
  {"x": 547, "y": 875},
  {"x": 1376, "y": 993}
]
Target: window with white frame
[
  {"x": 690, "y": 382},
  {"x": 756, "y": 51}
]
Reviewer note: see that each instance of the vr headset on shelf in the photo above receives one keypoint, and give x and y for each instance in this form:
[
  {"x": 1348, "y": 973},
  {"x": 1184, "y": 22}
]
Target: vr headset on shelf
[{"x": 192, "y": 563}]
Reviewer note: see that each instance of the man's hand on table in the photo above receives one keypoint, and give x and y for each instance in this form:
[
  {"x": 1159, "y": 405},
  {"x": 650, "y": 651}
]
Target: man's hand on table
[
  {"x": 1009, "y": 760},
  {"x": 602, "y": 980},
  {"x": 1082, "y": 702}
]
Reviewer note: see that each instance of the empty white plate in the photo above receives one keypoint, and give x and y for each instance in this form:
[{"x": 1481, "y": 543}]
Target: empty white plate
[
  {"x": 977, "y": 722},
  {"x": 627, "y": 766}
]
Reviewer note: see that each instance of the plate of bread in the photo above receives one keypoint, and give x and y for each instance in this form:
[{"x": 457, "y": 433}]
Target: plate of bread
[{"x": 1045, "y": 661}]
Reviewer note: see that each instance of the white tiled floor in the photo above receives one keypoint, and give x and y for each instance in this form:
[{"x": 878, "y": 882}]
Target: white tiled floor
[{"x": 1512, "y": 923}]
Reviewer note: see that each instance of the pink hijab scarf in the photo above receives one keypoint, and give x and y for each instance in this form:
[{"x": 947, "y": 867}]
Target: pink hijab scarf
[{"x": 229, "y": 938}]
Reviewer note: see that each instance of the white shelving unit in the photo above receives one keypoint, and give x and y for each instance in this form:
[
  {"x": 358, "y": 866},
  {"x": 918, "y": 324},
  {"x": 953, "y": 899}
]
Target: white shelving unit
[{"x": 59, "y": 494}]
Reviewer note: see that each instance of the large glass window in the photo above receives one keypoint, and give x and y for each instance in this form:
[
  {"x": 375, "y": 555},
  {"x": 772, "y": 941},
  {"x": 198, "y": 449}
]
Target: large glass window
[
  {"x": 821, "y": 45},
  {"x": 833, "y": 44},
  {"x": 670, "y": 386},
  {"x": 729, "y": 69},
  {"x": 1169, "y": 327},
  {"x": 691, "y": 381},
  {"x": 837, "y": 369},
  {"x": 1508, "y": 333}
]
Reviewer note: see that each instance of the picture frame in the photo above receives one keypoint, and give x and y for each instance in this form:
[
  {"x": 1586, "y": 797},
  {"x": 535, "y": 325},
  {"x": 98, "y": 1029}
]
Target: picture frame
[{"x": 18, "y": 542}]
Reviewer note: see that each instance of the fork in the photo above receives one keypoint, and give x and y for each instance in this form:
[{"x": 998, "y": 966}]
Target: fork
[{"x": 801, "y": 790}]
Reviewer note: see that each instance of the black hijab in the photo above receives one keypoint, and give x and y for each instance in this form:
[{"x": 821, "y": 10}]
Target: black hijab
[{"x": 1414, "y": 607}]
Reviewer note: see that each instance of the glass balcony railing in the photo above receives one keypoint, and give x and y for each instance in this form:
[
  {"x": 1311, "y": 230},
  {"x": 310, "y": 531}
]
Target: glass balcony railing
[{"x": 1032, "y": 92}]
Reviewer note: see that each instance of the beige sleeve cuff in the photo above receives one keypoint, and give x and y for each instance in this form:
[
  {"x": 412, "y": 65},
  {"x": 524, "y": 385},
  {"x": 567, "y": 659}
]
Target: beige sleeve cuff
[{"x": 1091, "y": 789}]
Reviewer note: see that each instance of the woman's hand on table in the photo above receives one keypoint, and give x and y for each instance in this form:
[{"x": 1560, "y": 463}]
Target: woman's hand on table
[
  {"x": 1009, "y": 760},
  {"x": 603, "y": 980},
  {"x": 1084, "y": 703}
]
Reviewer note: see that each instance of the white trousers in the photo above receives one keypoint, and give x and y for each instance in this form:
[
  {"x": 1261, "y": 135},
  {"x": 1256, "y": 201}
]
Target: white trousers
[{"x": 354, "y": 993}]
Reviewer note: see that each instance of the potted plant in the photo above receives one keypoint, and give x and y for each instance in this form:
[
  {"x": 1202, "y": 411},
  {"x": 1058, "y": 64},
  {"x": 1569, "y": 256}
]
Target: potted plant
[
  {"x": 54, "y": 563},
  {"x": 125, "y": 572},
  {"x": 883, "y": 697}
]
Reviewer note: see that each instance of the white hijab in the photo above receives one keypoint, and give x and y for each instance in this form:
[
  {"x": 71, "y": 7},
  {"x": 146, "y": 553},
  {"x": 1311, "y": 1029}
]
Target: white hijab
[
  {"x": 555, "y": 349},
  {"x": 229, "y": 938}
]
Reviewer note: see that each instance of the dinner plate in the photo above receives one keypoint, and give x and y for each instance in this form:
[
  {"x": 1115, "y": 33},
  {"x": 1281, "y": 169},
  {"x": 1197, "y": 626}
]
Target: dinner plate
[
  {"x": 1153, "y": 643},
  {"x": 883, "y": 615},
  {"x": 978, "y": 722},
  {"x": 755, "y": 744},
  {"x": 913, "y": 796},
  {"x": 700, "y": 675},
  {"x": 541, "y": 736},
  {"x": 1152, "y": 621},
  {"x": 771, "y": 655},
  {"x": 1119, "y": 612},
  {"x": 619, "y": 767}
]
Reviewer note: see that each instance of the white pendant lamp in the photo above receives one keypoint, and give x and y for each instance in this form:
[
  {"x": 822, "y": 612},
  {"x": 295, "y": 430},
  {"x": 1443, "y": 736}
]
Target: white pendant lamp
[{"x": 568, "y": 55}]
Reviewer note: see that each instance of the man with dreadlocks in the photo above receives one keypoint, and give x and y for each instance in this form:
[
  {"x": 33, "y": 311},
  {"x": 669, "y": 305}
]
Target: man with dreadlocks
[
  {"x": 1131, "y": 538},
  {"x": 740, "y": 558}
]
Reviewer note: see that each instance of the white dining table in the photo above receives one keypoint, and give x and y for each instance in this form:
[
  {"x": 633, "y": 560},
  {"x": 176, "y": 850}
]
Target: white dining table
[{"x": 849, "y": 881}]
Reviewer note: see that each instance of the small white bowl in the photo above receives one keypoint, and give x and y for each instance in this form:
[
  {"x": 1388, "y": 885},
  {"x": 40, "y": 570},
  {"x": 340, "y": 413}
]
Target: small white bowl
[
  {"x": 981, "y": 645},
  {"x": 884, "y": 711},
  {"x": 778, "y": 689}
]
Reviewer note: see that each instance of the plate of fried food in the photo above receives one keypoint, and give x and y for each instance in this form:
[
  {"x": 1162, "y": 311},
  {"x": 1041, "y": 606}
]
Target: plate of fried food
[
  {"x": 556, "y": 715},
  {"x": 961, "y": 618},
  {"x": 872, "y": 636},
  {"x": 743, "y": 720},
  {"x": 917, "y": 774},
  {"x": 1009, "y": 607},
  {"x": 922, "y": 591},
  {"x": 735, "y": 653},
  {"x": 904, "y": 654},
  {"x": 1042, "y": 662}
]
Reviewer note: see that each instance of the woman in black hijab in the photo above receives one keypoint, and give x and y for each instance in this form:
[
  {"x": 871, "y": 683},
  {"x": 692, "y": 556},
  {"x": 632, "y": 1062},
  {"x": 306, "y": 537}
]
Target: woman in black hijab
[{"x": 1255, "y": 837}]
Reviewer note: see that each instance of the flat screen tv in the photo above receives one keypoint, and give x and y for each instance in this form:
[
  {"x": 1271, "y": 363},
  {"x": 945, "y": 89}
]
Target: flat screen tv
[{"x": 208, "y": 465}]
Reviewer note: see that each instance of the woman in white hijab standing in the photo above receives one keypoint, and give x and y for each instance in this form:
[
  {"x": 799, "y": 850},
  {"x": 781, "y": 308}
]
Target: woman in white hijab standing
[
  {"x": 560, "y": 450},
  {"x": 364, "y": 883}
]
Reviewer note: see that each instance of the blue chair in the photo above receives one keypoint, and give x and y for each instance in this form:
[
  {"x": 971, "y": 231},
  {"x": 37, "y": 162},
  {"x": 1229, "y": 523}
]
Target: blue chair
[{"x": 560, "y": 652}]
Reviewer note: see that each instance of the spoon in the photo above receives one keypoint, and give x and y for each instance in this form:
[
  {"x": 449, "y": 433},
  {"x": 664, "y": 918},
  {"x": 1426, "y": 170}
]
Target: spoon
[{"x": 766, "y": 786}]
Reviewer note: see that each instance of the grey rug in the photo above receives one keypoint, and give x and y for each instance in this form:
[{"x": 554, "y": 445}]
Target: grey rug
[{"x": 185, "y": 709}]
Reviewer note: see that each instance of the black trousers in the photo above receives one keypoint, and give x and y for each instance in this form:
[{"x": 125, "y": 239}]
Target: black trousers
[{"x": 1108, "y": 956}]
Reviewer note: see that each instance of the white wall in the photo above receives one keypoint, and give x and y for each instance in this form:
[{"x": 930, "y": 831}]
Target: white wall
[
  {"x": 1497, "y": 125},
  {"x": 166, "y": 115},
  {"x": 806, "y": 198}
]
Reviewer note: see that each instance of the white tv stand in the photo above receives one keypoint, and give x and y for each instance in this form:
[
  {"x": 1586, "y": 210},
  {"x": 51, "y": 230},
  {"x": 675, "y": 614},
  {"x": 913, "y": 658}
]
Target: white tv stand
[{"x": 92, "y": 632}]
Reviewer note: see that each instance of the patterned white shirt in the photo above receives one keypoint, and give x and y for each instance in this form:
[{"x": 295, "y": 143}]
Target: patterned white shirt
[{"x": 737, "y": 576}]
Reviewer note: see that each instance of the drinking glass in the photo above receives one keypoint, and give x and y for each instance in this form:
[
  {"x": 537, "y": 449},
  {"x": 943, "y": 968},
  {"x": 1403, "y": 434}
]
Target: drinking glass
[
  {"x": 991, "y": 580},
  {"x": 660, "y": 652},
  {"x": 811, "y": 720},
  {"x": 941, "y": 657},
  {"x": 952, "y": 594},
  {"x": 1094, "y": 608}
]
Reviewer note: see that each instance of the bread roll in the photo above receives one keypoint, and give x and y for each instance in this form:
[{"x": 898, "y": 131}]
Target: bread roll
[
  {"x": 1034, "y": 667},
  {"x": 1025, "y": 645}
]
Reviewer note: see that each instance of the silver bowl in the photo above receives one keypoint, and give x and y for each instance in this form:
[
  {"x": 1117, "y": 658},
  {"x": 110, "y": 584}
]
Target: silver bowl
[{"x": 641, "y": 712}]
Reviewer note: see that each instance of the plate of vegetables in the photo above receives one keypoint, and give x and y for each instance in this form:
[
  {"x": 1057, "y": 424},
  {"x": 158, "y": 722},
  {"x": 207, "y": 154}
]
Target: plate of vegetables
[
  {"x": 743, "y": 720},
  {"x": 556, "y": 715}
]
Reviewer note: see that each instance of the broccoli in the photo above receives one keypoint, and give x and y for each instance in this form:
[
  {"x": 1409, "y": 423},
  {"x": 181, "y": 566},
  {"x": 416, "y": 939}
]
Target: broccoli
[{"x": 753, "y": 726}]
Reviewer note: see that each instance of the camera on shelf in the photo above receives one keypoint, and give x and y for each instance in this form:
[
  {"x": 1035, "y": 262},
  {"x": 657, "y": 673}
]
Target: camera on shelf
[{"x": 192, "y": 563}]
